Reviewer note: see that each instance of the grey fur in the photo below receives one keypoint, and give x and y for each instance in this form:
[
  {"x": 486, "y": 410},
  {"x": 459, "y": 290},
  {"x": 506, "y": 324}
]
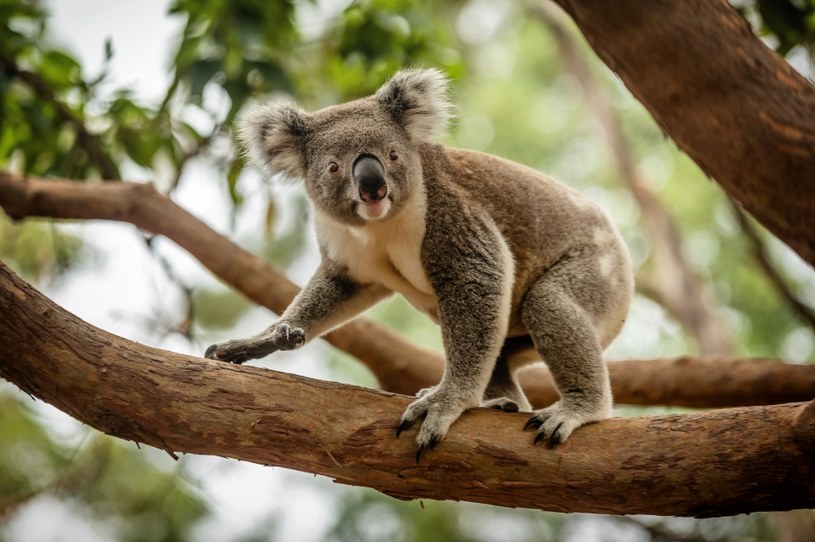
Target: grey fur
[{"x": 512, "y": 264}]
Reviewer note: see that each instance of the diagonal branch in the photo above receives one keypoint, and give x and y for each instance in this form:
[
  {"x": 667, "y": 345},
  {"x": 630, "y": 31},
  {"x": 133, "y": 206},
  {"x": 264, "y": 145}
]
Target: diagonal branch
[
  {"x": 706, "y": 464},
  {"x": 399, "y": 365},
  {"x": 730, "y": 102}
]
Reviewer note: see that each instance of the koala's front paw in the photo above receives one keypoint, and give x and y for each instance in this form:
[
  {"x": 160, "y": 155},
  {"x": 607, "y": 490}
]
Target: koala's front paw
[
  {"x": 440, "y": 410},
  {"x": 556, "y": 422},
  {"x": 278, "y": 337}
]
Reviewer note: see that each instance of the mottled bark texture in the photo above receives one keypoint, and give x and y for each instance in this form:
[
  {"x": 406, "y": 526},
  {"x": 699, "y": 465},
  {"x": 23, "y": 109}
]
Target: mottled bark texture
[
  {"x": 714, "y": 463},
  {"x": 731, "y": 103},
  {"x": 399, "y": 365}
]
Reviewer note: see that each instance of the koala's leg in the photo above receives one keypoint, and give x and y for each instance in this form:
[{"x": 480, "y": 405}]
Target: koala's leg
[
  {"x": 473, "y": 285},
  {"x": 328, "y": 300},
  {"x": 503, "y": 391},
  {"x": 560, "y": 312}
]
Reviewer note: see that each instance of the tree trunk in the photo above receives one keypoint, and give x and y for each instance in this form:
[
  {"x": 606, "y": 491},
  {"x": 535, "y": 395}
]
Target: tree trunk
[
  {"x": 399, "y": 365},
  {"x": 739, "y": 110},
  {"x": 715, "y": 463}
]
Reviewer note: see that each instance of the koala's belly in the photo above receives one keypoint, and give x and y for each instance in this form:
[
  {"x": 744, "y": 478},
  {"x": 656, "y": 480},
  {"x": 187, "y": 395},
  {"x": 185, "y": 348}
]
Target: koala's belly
[
  {"x": 390, "y": 258},
  {"x": 401, "y": 275}
]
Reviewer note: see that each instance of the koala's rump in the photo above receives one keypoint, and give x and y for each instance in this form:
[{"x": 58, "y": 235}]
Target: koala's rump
[{"x": 541, "y": 219}]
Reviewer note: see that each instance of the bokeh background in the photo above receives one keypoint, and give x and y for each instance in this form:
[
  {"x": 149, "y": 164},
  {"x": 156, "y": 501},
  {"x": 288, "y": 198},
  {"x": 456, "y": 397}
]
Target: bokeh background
[{"x": 161, "y": 82}]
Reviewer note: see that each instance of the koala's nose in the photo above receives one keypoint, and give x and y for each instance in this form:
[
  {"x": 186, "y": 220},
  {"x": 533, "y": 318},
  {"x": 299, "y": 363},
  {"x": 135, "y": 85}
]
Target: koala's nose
[{"x": 370, "y": 177}]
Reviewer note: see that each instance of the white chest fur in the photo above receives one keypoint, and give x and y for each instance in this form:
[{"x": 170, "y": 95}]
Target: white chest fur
[{"x": 386, "y": 252}]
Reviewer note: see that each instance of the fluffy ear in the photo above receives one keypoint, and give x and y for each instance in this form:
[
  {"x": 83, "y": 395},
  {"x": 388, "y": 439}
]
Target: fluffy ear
[
  {"x": 272, "y": 136},
  {"x": 417, "y": 98}
]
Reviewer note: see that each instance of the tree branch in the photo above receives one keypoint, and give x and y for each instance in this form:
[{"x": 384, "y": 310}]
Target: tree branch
[
  {"x": 689, "y": 465},
  {"x": 399, "y": 365},
  {"x": 730, "y": 102}
]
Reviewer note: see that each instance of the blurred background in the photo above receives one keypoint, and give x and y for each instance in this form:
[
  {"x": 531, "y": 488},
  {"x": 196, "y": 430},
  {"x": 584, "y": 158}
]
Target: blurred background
[{"x": 161, "y": 82}]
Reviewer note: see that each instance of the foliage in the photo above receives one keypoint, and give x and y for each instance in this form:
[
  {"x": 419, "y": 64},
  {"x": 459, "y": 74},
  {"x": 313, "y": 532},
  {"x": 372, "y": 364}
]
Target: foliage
[
  {"x": 516, "y": 99},
  {"x": 102, "y": 478}
]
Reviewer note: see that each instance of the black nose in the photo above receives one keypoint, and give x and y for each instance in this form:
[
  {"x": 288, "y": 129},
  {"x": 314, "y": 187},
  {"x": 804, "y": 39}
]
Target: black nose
[{"x": 370, "y": 177}]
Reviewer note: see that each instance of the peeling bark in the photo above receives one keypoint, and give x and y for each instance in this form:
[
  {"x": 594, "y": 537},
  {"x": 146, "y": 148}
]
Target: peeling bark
[
  {"x": 685, "y": 465},
  {"x": 731, "y": 103}
]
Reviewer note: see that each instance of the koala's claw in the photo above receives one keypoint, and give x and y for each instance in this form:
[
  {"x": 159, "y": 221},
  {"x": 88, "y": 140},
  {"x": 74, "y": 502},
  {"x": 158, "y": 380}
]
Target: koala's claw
[
  {"x": 557, "y": 422},
  {"x": 439, "y": 410},
  {"x": 403, "y": 426},
  {"x": 532, "y": 422},
  {"x": 554, "y": 438},
  {"x": 430, "y": 445}
]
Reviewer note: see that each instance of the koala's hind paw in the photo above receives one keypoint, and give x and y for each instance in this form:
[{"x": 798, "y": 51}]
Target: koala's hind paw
[
  {"x": 439, "y": 410},
  {"x": 278, "y": 337},
  {"x": 501, "y": 403},
  {"x": 557, "y": 422}
]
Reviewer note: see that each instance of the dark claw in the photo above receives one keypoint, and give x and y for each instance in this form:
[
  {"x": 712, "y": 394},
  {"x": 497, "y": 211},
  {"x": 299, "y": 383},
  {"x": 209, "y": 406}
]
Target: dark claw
[
  {"x": 539, "y": 437},
  {"x": 510, "y": 407},
  {"x": 497, "y": 407},
  {"x": 404, "y": 426},
  {"x": 554, "y": 440},
  {"x": 430, "y": 446},
  {"x": 532, "y": 422},
  {"x": 419, "y": 450}
]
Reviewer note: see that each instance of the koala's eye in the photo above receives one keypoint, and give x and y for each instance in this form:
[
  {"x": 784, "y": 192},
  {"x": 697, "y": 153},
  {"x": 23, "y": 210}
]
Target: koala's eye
[
  {"x": 333, "y": 167},
  {"x": 394, "y": 156}
]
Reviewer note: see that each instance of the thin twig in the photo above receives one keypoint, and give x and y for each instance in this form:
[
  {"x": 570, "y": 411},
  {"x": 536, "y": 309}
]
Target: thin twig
[
  {"x": 762, "y": 257},
  {"x": 90, "y": 142}
]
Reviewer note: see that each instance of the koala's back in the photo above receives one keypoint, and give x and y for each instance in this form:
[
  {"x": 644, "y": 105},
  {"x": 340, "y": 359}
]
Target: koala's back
[{"x": 542, "y": 220}]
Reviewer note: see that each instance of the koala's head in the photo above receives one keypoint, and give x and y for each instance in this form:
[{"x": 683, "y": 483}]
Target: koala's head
[{"x": 358, "y": 159}]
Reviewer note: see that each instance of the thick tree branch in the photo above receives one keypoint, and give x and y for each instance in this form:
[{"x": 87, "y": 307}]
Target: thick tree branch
[
  {"x": 738, "y": 109},
  {"x": 688, "y": 465},
  {"x": 399, "y": 365}
]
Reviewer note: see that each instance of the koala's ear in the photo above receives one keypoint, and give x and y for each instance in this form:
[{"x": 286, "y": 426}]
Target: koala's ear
[
  {"x": 273, "y": 136},
  {"x": 417, "y": 98}
]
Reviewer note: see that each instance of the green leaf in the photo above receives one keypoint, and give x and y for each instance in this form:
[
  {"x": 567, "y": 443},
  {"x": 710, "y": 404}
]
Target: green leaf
[
  {"x": 232, "y": 176},
  {"x": 199, "y": 74}
]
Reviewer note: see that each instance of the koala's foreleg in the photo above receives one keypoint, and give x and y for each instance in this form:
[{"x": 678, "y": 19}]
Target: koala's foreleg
[
  {"x": 473, "y": 285},
  {"x": 328, "y": 300},
  {"x": 558, "y": 312}
]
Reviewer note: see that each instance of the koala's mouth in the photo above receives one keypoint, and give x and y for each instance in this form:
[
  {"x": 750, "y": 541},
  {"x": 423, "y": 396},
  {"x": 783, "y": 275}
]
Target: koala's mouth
[{"x": 374, "y": 210}]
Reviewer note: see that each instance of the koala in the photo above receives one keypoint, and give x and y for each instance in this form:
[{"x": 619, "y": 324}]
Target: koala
[{"x": 514, "y": 266}]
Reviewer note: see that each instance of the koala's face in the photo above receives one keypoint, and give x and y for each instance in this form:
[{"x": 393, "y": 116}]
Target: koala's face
[
  {"x": 360, "y": 163},
  {"x": 359, "y": 159}
]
